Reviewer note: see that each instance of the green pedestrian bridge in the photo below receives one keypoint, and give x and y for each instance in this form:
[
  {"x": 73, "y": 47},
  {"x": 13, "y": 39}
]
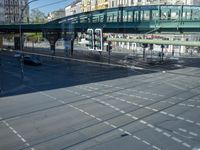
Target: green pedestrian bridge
[
  {"x": 179, "y": 19},
  {"x": 132, "y": 19}
]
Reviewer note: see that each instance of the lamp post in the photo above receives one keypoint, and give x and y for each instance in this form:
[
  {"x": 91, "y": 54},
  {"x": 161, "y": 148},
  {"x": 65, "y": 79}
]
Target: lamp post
[{"x": 20, "y": 36}]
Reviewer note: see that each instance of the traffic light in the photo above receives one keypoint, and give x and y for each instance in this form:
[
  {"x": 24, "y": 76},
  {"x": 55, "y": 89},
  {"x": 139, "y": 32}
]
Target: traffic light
[
  {"x": 109, "y": 46},
  {"x": 98, "y": 40},
  {"x": 90, "y": 39}
]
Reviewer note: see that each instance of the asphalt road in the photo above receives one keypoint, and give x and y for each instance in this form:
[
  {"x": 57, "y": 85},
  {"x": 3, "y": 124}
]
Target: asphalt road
[{"x": 80, "y": 106}]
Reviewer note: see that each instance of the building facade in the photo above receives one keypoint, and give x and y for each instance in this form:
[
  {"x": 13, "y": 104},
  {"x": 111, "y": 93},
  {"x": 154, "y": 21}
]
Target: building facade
[
  {"x": 56, "y": 14},
  {"x": 74, "y": 8},
  {"x": 2, "y": 16},
  {"x": 16, "y": 11}
]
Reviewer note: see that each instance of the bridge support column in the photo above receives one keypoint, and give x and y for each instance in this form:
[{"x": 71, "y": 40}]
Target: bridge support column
[
  {"x": 69, "y": 38},
  {"x": 52, "y": 37},
  {"x": 144, "y": 53}
]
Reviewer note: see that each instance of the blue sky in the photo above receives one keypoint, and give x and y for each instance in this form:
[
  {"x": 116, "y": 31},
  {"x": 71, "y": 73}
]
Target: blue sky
[{"x": 47, "y": 9}]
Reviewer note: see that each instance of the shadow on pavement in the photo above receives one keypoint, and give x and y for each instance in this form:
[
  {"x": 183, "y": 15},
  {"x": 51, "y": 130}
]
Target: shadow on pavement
[{"x": 54, "y": 74}]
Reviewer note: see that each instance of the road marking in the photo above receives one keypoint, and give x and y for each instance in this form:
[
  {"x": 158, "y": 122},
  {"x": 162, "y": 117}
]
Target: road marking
[
  {"x": 183, "y": 130},
  {"x": 176, "y": 139},
  {"x": 61, "y": 101},
  {"x": 129, "y": 115},
  {"x": 162, "y": 112},
  {"x": 143, "y": 122},
  {"x": 192, "y": 133},
  {"x": 186, "y": 145},
  {"x": 149, "y": 125},
  {"x": 190, "y": 121},
  {"x": 189, "y": 132},
  {"x": 171, "y": 115},
  {"x": 155, "y": 147},
  {"x": 17, "y": 134},
  {"x": 136, "y": 137},
  {"x": 155, "y": 109},
  {"x": 181, "y": 118},
  {"x": 146, "y": 142},
  {"x": 158, "y": 129},
  {"x": 135, "y": 118},
  {"x": 115, "y": 127},
  {"x": 47, "y": 95},
  {"x": 166, "y": 134},
  {"x": 120, "y": 129},
  {"x": 99, "y": 119},
  {"x": 122, "y": 111}
]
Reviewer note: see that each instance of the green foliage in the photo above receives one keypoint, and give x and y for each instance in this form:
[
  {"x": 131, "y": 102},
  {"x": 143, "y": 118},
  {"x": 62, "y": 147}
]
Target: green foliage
[
  {"x": 34, "y": 37},
  {"x": 37, "y": 16}
]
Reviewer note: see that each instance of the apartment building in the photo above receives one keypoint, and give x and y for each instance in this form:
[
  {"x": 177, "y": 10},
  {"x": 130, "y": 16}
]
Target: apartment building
[
  {"x": 56, "y": 15},
  {"x": 2, "y": 18},
  {"x": 13, "y": 11},
  {"x": 74, "y": 8}
]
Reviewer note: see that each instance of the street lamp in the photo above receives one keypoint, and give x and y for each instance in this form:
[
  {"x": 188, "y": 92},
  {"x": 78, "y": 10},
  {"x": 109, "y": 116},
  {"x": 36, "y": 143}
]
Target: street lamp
[{"x": 20, "y": 36}]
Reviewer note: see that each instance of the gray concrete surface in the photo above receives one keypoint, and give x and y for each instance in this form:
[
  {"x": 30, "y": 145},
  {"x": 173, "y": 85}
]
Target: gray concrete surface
[{"x": 79, "y": 106}]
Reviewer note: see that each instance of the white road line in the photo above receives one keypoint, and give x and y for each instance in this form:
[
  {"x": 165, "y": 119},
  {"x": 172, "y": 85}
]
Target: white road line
[
  {"x": 155, "y": 147},
  {"x": 166, "y": 134},
  {"x": 183, "y": 130},
  {"x": 198, "y": 123},
  {"x": 171, "y": 115},
  {"x": 115, "y": 127},
  {"x": 181, "y": 118},
  {"x": 158, "y": 129},
  {"x": 18, "y": 135},
  {"x": 190, "y": 121},
  {"x": 129, "y": 115},
  {"x": 99, "y": 119},
  {"x": 145, "y": 142},
  {"x": 162, "y": 112},
  {"x": 186, "y": 145},
  {"x": 136, "y": 137},
  {"x": 120, "y": 129},
  {"x": 192, "y": 133},
  {"x": 149, "y": 125},
  {"x": 61, "y": 101},
  {"x": 177, "y": 140},
  {"x": 189, "y": 132},
  {"x": 143, "y": 122},
  {"x": 47, "y": 95}
]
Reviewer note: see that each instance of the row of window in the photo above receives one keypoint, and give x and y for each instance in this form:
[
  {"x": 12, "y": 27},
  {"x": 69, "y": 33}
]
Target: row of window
[
  {"x": 11, "y": 2},
  {"x": 11, "y": 18},
  {"x": 135, "y": 14},
  {"x": 14, "y": 10}
]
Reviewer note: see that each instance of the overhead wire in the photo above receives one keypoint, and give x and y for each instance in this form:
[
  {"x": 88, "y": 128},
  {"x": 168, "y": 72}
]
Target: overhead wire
[{"x": 54, "y": 3}]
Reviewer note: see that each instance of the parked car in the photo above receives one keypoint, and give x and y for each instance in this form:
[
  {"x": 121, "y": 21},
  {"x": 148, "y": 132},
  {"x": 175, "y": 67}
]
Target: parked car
[{"x": 32, "y": 60}]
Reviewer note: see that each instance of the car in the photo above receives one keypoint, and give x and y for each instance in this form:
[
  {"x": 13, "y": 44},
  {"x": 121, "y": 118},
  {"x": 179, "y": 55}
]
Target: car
[
  {"x": 32, "y": 60},
  {"x": 17, "y": 55}
]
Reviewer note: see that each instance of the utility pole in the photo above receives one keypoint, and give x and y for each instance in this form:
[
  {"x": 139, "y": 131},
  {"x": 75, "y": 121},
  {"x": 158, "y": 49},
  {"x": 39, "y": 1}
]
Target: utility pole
[
  {"x": 1, "y": 72},
  {"x": 20, "y": 36}
]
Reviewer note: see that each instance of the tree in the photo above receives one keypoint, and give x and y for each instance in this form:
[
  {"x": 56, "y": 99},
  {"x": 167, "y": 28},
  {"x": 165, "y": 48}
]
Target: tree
[{"x": 37, "y": 16}]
